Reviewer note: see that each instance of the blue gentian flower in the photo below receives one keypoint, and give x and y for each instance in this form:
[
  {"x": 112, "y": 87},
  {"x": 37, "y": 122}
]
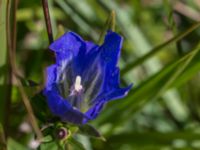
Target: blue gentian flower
[{"x": 84, "y": 78}]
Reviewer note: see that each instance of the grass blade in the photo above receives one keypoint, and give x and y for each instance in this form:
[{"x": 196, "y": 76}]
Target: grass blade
[
  {"x": 158, "y": 48},
  {"x": 110, "y": 25},
  {"x": 3, "y": 60}
]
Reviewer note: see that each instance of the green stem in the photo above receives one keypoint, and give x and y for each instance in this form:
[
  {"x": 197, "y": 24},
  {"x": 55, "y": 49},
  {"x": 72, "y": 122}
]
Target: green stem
[
  {"x": 110, "y": 25},
  {"x": 9, "y": 77}
]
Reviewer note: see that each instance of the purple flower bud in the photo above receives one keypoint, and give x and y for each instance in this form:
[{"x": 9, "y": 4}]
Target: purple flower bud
[{"x": 62, "y": 133}]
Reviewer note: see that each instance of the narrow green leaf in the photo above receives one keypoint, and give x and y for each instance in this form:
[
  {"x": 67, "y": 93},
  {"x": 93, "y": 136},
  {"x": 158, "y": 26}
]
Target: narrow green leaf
[
  {"x": 177, "y": 73},
  {"x": 90, "y": 131},
  {"x": 3, "y": 51},
  {"x": 153, "y": 138},
  {"x": 27, "y": 83},
  {"x": 158, "y": 48},
  {"x": 77, "y": 19},
  {"x": 75, "y": 144},
  {"x": 3, "y": 60},
  {"x": 191, "y": 70},
  {"x": 110, "y": 25}
]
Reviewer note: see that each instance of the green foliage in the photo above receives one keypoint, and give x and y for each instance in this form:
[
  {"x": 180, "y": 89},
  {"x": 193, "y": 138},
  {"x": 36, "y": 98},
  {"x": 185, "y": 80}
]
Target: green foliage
[
  {"x": 3, "y": 60},
  {"x": 74, "y": 144},
  {"x": 160, "y": 55},
  {"x": 40, "y": 108},
  {"x": 90, "y": 131},
  {"x": 14, "y": 145},
  {"x": 3, "y": 43}
]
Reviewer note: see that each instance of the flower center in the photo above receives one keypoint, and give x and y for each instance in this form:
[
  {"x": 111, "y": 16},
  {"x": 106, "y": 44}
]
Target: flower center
[{"x": 77, "y": 88}]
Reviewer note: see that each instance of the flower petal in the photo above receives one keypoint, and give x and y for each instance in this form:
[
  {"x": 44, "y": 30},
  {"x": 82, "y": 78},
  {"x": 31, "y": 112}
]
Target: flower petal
[
  {"x": 72, "y": 49},
  {"x": 71, "y": 45},
  {"x": 62, "y": 108},
  {"x": 93, "y": 112},
  {"x": 51, "y": 76},
  {"x": 111, "y": 87},
  {"x": 111, "y": 49},
  {"x": 117, "y": 93},
  {"x": 70, "y": 41}
]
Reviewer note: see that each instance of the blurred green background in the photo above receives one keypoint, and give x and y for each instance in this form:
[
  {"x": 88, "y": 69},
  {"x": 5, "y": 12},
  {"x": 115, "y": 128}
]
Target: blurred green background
[{"x": 160, "y": 55}]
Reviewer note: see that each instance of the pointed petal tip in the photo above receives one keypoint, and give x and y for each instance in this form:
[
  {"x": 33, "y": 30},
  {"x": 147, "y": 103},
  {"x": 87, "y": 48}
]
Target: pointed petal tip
[
  {"x": 65, "y": 41},
  {"x": 113, "y": 34},
  {"x": 128, "y": 88}
]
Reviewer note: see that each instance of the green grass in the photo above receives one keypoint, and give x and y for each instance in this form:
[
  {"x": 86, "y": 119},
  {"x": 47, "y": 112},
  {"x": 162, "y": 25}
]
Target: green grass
[{"x": 160, "y": 55}]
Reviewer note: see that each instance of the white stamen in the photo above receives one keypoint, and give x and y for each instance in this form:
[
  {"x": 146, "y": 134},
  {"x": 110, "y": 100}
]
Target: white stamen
[{"x": 77, "y": 86}]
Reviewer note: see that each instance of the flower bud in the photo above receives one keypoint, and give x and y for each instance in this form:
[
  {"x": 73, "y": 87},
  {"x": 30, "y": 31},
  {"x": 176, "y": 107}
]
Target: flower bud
[{"x": 62, "y": 133}]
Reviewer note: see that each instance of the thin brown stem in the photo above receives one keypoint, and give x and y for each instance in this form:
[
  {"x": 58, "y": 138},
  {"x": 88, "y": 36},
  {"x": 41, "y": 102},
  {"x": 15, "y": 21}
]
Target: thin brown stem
[
  {"x": 9, "y": 77},
  {"x": 14, "y": 35},
  {"x": 13, "y": 71},
  {"x": 29, "y": 109},
  {"x": 47, "y": 20}
]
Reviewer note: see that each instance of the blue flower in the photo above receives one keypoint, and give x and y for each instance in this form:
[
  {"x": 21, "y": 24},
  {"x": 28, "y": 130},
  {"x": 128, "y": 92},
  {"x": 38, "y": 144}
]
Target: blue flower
[{"x": 84, "y": 78}]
